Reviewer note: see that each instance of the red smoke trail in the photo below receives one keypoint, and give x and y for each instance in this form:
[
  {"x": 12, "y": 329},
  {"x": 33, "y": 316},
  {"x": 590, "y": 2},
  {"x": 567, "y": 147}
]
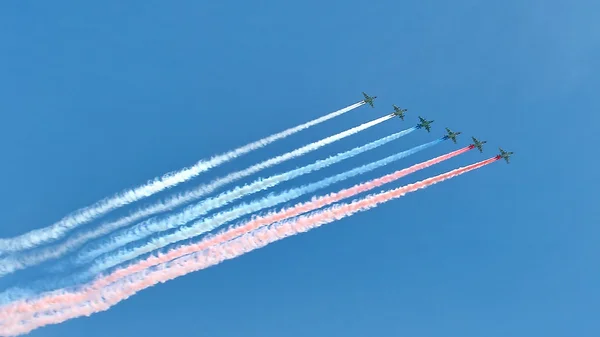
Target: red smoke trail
[
  {"x": 69, "y": 297},
  {"x": 48, "y": 301},
  {"x": 227, "y": 250}
]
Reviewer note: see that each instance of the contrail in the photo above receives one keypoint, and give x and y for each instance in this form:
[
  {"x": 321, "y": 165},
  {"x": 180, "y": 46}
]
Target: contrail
[
  {"x": 204, "y": 225},
  {"x": 86, "y": 214},
  {"x": 210, "y": 223},
  {"x": 155, "y": 225},
  {"x": 97, "y": 302},
  {"x": 148, "y": 227},
  {"x": 316, "y": 203},
  {"x": 11, "y": 264}
]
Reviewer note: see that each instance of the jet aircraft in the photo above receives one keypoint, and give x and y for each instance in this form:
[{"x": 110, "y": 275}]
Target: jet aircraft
[
  {"x": 424, "y": 124},
  {"x": 452, "y": 135},
  {"x": 478, "y": 144},
  {"x": 505, "y": 155},
  {"x": 399, "y": 112},
  {"x": 368, "y": 99}
]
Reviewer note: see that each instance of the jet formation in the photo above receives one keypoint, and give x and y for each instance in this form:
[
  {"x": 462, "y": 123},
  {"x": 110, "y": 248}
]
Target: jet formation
[{"x": 426, "y": 124}]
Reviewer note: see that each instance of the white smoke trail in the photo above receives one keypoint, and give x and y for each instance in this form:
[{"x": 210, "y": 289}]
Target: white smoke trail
[
  {"x": 86, "y": 214},
  {"x": 11, "y": 264}
]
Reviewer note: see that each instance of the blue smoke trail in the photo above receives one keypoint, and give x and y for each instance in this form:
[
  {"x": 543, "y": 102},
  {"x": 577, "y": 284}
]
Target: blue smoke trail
[
  {"x": 153, "y": 225},
  {"x": 205, "y": 225},
  {"x": 208, "y": 224}
]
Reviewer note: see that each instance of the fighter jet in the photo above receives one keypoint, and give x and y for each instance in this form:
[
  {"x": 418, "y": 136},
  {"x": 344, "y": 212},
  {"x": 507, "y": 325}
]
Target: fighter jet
[
  {"x": 368, "y": 99},
  {"x": 424, "y": 124},
  {"x": 505, "y": 155},
  {"x": 452, "y": 135},
  {"x": 399, "y": 112},
  {"x": 478, "y": 144}
]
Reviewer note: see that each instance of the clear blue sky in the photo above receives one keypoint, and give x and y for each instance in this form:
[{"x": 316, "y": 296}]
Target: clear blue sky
[{"x": 95, "y": 98}]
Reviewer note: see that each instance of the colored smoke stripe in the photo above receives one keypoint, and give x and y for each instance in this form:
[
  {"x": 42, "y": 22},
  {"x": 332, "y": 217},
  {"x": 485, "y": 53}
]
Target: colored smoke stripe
[
  {"x": 67, "y": 297},
  {"x": 148, "y": 227},
  {"x": 212, "y": 222},
  {"x": 154, "y": 225},
  {"x": 216, "y": 254}
]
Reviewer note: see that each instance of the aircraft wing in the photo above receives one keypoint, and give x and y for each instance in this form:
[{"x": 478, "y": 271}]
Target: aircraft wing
[{"x": 427, "y": 127}]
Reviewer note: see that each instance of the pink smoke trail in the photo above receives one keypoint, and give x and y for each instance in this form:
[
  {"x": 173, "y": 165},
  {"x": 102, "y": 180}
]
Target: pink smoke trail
[
  {"x": 56, "y": 298},
  {"x": 228, "y": 250},
  {"x": 68, "y": 297}
]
